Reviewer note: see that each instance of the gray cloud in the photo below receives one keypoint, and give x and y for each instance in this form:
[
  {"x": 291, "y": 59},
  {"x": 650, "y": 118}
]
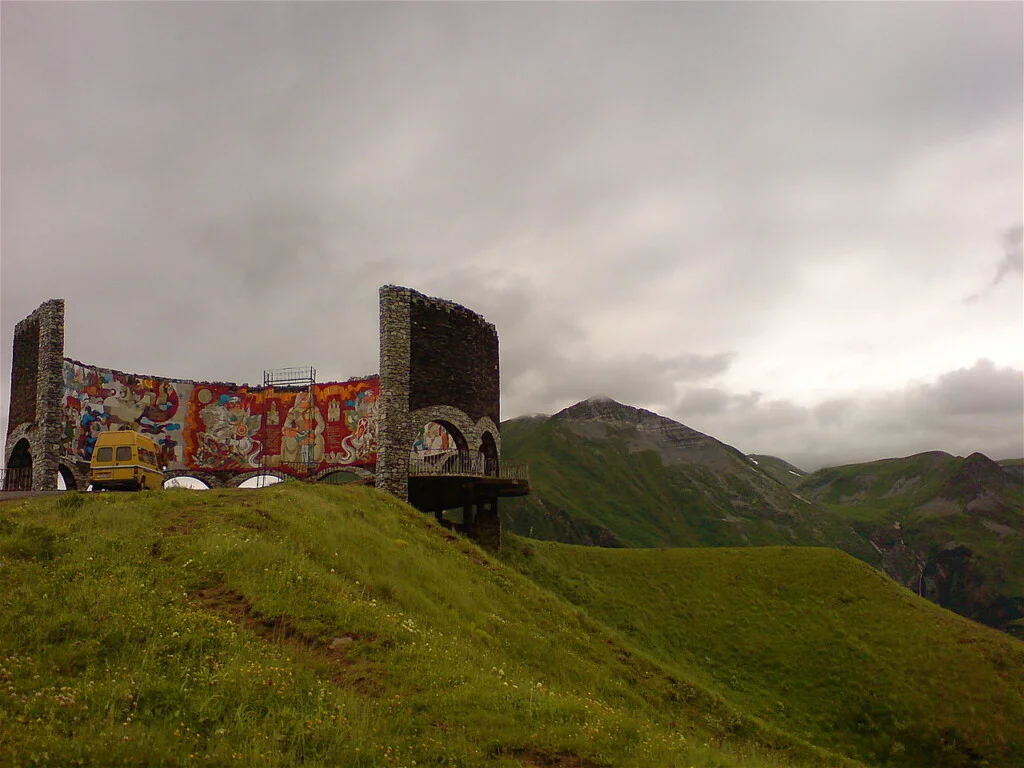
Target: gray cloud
[
  {"x": 980, "y": 408},
  {"x": 1013, "y": 256},
  {"x": 1012, "y": 262},
  {"x": 555, "y": 381},
  {"x": 671, "y": 204},
  {"x": 982, "y": 390}
]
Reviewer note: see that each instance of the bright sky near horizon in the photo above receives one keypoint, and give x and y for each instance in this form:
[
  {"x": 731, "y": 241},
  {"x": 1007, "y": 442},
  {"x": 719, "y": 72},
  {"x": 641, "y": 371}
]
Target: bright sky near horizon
[{"x": 793, "y": 226}]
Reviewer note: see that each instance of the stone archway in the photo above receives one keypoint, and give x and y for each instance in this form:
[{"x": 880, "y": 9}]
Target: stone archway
[
  {"x": 438, "y": 443},
  {"x": 237, "y": 480},
  {"x": 69, "y": 476},
  {"x": 489, "y": 453},
  {"x": 18, "y": 476},
  {"x": 341, "y": 475},
  {"x": 185, "y": 480}
]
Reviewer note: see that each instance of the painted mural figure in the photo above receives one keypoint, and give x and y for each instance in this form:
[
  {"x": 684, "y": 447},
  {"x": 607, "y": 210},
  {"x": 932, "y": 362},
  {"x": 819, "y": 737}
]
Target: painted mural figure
[
  {"x": 361, "y": 422},
  {"x": 218, "y": 427},
  {"x": 228, "y": 438},
  {"x": 100, "y": 400},
  {"x": 302, "y": 438},
  {"x": 162, "y": 405},
  {"x": 433, "y": 439},
  {"x": 92, "y": 424}
]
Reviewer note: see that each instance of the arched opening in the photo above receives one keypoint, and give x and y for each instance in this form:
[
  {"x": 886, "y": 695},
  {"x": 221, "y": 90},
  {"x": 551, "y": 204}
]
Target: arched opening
[
  {"x": 18, "y": 476},
  {"x": 339, "y": 478},
  {"x": 439, "y": 445},
  {"x": 66, "y": 479},
  {"x": 489, "y": 454},
  {"x": 260, "y": 481},
  {"x": 186, "y": 481}
]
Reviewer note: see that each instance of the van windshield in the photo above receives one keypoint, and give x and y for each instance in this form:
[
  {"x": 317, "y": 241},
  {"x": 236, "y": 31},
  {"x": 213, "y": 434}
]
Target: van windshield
[
  {"x": 124, "y": 453},
  {"x": 105, "y": 454}
]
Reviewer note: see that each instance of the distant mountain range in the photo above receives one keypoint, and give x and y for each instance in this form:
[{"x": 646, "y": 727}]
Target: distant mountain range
[{"x": 608, "y": 474}]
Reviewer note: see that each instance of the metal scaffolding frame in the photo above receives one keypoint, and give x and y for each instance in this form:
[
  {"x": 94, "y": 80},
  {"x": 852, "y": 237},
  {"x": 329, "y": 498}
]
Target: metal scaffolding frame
[
  {"x": 290, "y": 377},
  {"x": 301, "y": 379}
]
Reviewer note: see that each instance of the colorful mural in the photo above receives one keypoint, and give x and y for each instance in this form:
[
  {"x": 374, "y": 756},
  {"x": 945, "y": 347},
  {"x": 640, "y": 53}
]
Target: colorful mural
[
  {"x": 96, "y": 400},
  {"x": 222, "y": 430},
  {"x": 223, "y": 427},
  {"x": 433, "y": 440},
  {"x": 232, "y": 428}
]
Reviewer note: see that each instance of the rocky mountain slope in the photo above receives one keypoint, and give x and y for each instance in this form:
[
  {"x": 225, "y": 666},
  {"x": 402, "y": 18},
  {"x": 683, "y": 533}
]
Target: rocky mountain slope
[
  {"x": 951, "y": 528},
  {"x": 780, "y": 469},
  {"x": 608, "y": 474}
]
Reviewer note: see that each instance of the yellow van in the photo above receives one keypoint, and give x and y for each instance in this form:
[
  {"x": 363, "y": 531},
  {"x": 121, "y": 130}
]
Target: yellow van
[{"x": 125, "y": 461}]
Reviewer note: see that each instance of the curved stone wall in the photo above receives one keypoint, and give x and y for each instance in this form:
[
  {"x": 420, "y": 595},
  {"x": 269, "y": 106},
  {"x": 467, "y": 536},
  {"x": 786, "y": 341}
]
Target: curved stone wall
[
  {"x": 453, "y": 358},
  {"x": 439, "y": 363},
  {"x": 223, "y": 428},
  {"x": 437, "y": 358}
]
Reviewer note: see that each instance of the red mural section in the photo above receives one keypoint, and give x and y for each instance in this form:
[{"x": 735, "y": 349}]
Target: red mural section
[{"x": 232, "y": 428}]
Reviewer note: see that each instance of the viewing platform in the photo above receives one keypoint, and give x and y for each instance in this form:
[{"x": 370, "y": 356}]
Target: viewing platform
[{"x": 463, "y": 479}]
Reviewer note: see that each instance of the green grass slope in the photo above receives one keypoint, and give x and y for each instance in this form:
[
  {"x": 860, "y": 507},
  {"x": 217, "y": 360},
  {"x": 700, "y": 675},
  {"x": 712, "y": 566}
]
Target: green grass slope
[
  {"x": 325, "y": 626},
  {"x": 602, "y": 491},
  {"x": 809, "y": 640}
]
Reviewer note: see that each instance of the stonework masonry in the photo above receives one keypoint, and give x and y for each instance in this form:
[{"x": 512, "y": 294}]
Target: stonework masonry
[
  {"x": 434, "y": 354},
  {"x": 36, "y": 384},
  {"x": 468, "y": 378},
  {"x": 24, "y": 372},
  {"x": 394, "y": 429}
]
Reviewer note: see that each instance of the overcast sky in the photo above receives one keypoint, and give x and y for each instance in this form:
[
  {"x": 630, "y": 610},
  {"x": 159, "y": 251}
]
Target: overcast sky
[{"x": 796, "y": 227}]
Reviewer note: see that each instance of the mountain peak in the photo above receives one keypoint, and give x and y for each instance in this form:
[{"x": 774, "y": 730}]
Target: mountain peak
[
  {"x": 640, "y": 429},
  {"x": 602, "y": 408}
]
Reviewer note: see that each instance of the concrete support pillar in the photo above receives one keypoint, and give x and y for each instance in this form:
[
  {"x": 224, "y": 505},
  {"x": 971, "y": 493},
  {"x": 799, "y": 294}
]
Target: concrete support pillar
[{"x": 487, "y": 526}]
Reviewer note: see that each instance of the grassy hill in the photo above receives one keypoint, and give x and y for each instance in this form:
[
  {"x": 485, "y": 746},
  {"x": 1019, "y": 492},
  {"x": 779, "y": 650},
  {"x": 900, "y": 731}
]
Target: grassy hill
[
  {"x": 621, "y": 483},
  {"x": 950, "y": 527},
  {"x": 320, "y": 626},
  {"x": 810, "y": 641},
  {"x": 336, "y": 626}
]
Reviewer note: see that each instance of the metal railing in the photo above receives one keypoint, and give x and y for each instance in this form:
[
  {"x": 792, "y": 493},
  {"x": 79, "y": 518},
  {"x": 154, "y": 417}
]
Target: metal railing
[
  {"x": 468, "y": 464},
  {"x": 289, "y": 377},
  {"x": 16, "y": 479}
]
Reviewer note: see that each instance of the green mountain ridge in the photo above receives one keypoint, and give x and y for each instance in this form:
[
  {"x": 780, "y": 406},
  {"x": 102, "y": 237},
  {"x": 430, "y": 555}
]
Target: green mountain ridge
[
  {"x": 949, "y": 527},
  {"x": 609, "y": 474},
  {"x": 336, "y": 626}
]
